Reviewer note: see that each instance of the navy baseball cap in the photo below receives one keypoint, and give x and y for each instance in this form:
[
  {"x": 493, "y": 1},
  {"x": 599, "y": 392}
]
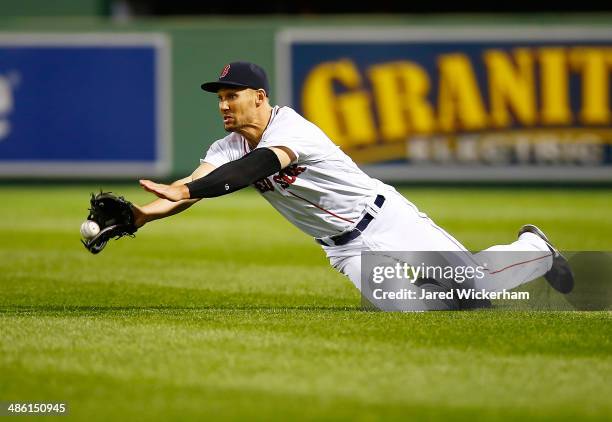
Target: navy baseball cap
[{"x": 240, "y": 74}]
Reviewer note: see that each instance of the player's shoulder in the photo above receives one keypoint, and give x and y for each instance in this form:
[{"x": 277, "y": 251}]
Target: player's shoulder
[
  {"x": 231, "y": 141},
  {"x": 284, "y": 114},
  {"x": 288, "y": 122}
]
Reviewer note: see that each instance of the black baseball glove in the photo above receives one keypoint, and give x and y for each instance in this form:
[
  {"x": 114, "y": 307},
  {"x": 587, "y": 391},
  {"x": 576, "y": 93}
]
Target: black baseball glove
[{"x": 115, "y": 217}]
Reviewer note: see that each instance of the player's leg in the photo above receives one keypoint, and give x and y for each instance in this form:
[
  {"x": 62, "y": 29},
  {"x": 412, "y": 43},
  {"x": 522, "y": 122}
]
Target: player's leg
[
  {"x": 509, "y": 266},
  {"x": 401, "y": 227},
  {"x": 530, "y": 257},
  {"x": 352, "y": 268}
]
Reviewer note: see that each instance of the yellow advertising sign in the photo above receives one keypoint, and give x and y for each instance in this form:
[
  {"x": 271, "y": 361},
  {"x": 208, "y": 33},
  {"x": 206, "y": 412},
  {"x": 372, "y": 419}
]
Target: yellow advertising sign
[{"x": 530, "y": 98}]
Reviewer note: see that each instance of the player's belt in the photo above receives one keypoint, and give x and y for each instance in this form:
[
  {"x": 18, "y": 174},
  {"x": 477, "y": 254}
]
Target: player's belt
[{"x": 346, "y": 237}]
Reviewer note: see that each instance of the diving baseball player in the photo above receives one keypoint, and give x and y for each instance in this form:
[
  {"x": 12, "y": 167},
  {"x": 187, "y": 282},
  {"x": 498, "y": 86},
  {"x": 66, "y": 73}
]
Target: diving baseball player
[{"x": 319, "y": 189}]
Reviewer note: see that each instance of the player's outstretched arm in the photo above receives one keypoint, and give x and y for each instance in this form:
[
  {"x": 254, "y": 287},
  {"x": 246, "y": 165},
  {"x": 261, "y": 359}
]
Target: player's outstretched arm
[
  {"x": 228, "y": 178},
  {"x": 162, "y": 208}
]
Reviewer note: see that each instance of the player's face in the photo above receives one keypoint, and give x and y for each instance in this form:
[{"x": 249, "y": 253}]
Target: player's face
[{"x": 237, "y": 107}]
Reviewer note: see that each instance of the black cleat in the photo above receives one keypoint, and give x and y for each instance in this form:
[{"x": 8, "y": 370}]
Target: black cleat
[{"x": 560, "y": 275}]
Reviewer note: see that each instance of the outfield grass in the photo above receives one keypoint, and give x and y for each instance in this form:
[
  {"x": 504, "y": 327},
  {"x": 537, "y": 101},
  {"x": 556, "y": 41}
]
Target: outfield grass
[{"x": 227, "y": 311}]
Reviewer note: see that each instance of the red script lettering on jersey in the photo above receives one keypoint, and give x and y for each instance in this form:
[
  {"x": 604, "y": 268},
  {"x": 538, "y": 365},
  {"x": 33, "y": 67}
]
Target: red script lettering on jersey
[
  {"x": 284, "y": 178},
  {"x": 263, "y": 185}
]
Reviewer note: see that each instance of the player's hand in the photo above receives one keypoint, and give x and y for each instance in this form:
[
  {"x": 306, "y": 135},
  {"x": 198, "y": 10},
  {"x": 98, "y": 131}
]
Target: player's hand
[{"x": 172, "y": 193}]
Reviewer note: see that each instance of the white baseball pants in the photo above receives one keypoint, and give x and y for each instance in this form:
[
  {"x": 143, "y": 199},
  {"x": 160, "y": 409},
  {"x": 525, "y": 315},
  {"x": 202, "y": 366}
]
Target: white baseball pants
[{"x": 399, "y": 226}]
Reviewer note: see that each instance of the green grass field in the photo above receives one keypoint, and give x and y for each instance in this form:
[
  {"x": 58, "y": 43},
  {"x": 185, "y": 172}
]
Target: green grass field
[{"x": 226, "y": 311}]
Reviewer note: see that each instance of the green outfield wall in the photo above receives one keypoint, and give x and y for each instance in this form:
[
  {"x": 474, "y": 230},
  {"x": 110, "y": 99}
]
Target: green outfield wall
[
  {"x": 54, "y": 8},
  {"x": 200, "y": 47}
]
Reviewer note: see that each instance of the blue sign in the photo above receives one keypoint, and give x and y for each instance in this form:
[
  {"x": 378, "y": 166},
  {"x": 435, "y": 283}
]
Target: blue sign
[{"x": 84, "y": 105}]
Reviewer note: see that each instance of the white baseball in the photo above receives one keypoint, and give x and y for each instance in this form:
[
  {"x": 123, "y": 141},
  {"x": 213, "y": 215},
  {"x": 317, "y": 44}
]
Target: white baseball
[{"x": 89, "y": 229}]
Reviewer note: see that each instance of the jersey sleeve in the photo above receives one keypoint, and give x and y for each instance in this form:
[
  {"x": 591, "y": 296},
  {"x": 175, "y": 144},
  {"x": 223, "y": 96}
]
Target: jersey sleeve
[{"x": 286, "y": 143}]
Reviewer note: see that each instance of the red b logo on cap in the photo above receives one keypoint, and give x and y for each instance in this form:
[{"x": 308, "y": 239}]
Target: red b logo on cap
[{"x": 224, "y": 71}]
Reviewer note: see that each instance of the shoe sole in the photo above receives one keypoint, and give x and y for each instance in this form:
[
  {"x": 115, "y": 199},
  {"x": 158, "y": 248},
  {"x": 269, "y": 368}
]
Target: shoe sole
[{"x": 560, "y": 275}]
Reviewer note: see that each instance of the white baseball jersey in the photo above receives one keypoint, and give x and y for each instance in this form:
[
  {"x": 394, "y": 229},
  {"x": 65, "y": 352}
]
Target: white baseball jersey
[{"x": 322, "y": 192}]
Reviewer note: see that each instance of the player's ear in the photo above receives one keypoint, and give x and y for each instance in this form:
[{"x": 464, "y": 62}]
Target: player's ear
[{"x": 260, "y": 97}]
